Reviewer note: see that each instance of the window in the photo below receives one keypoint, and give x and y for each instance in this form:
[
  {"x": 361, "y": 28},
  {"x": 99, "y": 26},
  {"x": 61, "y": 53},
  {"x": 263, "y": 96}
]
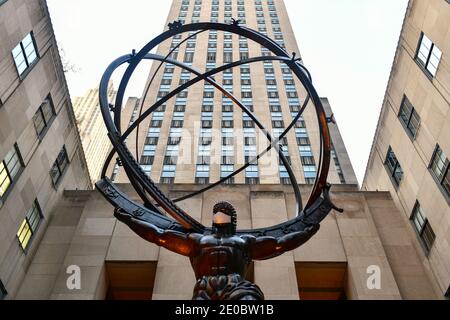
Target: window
[
  {"x": 409, "y": 117},
  {"x": 211, "y": 57},
  {"x": 246, "y": 94},
  {"x": 428, "y": 55},
  {"x": 251, "y": 180},
  {"x": 202, "y": 174},
  {"x": 252, "y": 172},
  {"x": 29, "y": 225},
  {"x": 59, "y": 166},
  {"x": 393, "y": 166},
  {"x": 226, "y": 170},
  {"x": 310, "y": 174},
  {"x": 24, "y": 54},
  {"x": 153, "y": 133},
  {"x": 284, "y": 176},
  {"x": 308, "y": 160},
  {"x": 179, "y": 108},
  {"x": 149, "y": 150},
  {"x": 206, "y": 140},
  {"x": 10, "y": 169},
  {"x": 440, "y": 168},
  {"x": 168, "y": 174},
  {"x": 305, "y": 151},
  {"x": 43, "y": 117},
  {"x": 189, "y": 57},
  {"x": 337, "y": 164},
  {"x": 423, "y": 228},
  {"x": 3, "y": 292},
  {"x": 156, "y": 123},
  {"x": 151, "y": 140},
  {"x": 176, "y": 123}
]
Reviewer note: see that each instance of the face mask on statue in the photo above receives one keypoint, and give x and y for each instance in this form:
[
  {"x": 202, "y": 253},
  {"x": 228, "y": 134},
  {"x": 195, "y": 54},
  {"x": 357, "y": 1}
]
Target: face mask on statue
[{"x": 224, "y": 219}]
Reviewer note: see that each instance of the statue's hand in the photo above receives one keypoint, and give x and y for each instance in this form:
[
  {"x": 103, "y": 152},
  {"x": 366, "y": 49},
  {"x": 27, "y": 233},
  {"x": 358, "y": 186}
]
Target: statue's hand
[{"x": 144, "y": 229}]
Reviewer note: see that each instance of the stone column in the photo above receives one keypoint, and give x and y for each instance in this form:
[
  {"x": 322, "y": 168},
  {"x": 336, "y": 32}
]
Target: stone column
[
  {"x": 88, "y": 251},
  {"x": 363, "y": 249},
  {"x": 276, "y": 277}
]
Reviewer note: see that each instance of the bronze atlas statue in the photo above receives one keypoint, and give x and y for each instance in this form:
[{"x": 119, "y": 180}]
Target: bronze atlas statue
[{"x": 220, "y": 255}]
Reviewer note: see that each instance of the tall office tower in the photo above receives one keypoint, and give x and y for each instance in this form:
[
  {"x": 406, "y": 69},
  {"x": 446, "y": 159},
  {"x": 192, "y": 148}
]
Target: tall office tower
[
  {"x": 201, "y": 136},
  {"x": 411, "y": 150},
  {"x": 40, "y": 148},
  {"x": 92, "y": 129}
]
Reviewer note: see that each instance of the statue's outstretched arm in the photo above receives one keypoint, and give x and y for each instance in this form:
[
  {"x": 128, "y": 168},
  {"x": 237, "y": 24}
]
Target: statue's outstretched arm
[
  {"x": 178, "y": 242},
  {"x": 268, "y": 247}
]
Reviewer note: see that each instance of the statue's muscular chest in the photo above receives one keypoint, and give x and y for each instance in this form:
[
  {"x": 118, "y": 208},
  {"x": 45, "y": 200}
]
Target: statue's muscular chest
[{"x": 221, "y": 255}]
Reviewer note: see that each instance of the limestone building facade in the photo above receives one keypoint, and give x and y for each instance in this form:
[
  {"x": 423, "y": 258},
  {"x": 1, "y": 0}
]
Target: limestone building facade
[
  {"x": 337, "y": 263},
  {"x": 411, "y": 148},
  {"x": 40, "y": 148}
]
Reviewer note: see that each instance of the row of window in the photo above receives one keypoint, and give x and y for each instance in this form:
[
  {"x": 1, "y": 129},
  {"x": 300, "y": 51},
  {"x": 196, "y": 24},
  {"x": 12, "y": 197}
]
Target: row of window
[
  {"x": 226, "y": 2},
  {"x": 277, "y": 119},
  {"x": 250, "y": 149},
  {"x": 337, "y": 165},
  {"x": 33, "y": 217},
  {"x": 440, "y": 170},
  {"x": 25, "y": 56},
  {"x": 204, "y": 148},
  {"x": 172, "y": 149},
  {"x": 428, "y": 57},
  {"x": 227, "y": 12},
  {"x": 12, "y": 166}
]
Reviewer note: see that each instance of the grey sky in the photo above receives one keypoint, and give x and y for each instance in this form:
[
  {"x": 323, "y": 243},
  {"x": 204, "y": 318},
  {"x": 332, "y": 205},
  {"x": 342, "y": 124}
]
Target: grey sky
[{"x": 348, "y": 45}]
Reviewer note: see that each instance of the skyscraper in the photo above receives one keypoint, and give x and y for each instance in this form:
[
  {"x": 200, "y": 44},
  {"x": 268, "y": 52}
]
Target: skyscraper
[
  {"x": 411, "y": 148},
  {"x": 200, "y": 136},
  {"x": 92, "y": 129},
  {"x": 40, "y": 148}
]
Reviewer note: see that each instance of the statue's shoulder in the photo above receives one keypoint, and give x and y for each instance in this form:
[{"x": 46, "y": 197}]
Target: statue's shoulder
[
  {"x": 195, "y": 235},
  {"x": 248, "y": 238}
]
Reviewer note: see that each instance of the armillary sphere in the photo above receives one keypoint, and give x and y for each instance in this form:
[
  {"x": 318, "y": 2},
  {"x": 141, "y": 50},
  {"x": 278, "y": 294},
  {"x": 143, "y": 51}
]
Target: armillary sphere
[{"x": 162, "y": 212}]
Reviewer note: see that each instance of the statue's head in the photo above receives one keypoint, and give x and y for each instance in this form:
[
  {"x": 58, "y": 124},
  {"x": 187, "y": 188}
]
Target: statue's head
[{"x": 224, "y": 219}]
